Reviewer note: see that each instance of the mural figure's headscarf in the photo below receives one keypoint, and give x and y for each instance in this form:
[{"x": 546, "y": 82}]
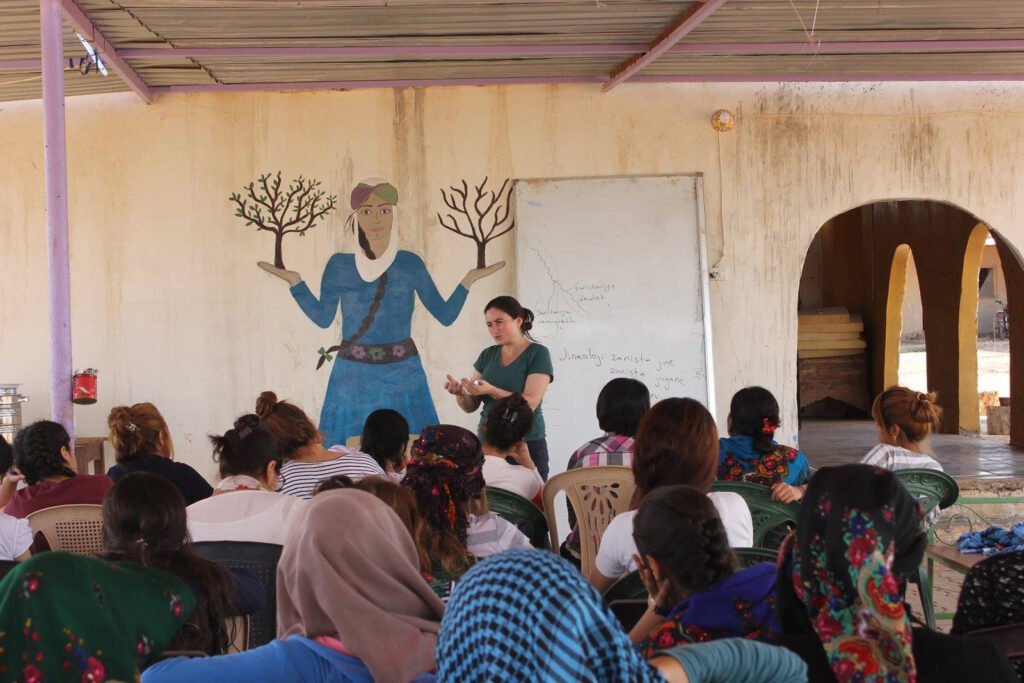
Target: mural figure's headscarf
[
  {"x": 73, "y": 617},
  {"x": 353, "y": 573},
  {"x": 842, "y": 572},
  {"x": 527, "y": 615},
  {"x": 371, "y": 269}
]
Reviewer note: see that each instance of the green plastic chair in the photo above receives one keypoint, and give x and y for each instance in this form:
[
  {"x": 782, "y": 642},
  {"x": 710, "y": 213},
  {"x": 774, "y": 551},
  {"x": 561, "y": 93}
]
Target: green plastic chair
[
  {"x": 772, "y": 519},
  {"x": 933, "y": 488},
  {"x": 629, "y": 587},
  {"x": 521, "y": 512},
  {"x": 748, "y": 557}
]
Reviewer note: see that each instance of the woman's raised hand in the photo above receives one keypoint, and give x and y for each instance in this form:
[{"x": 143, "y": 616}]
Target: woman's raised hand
[
  {"x": 454, "y": 386},
  {"x": 521, "y": 454},
  {"x": 289, "y": 276},
  {"x": 480, "y": 273}
]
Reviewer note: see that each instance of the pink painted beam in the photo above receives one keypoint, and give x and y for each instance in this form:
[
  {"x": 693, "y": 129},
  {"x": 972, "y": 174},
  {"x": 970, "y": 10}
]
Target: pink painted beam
[
  {"x": 354, "y": 85},
  {"x": 558, "y": 80},
  {"x": 21, "y": 65},
  {"x": 51, "y": 33},
  {"x": 110, "y": 55},
  {"x": 690, "y": 19}
]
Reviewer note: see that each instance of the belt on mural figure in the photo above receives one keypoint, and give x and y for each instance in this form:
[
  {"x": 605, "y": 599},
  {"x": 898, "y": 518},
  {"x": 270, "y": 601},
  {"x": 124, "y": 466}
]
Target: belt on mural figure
[{"x": 376, "y": 354}]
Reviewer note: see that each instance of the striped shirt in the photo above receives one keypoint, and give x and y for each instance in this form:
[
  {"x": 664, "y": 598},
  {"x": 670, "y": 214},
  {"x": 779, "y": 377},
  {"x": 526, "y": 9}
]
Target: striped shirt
[
  {"x": 300, "y": 477},
  {"x": 490, "y": 534},
  {"x": 895, "y": 458}
]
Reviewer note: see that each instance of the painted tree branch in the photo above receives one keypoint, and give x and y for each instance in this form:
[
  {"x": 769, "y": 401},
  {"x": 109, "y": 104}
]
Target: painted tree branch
[
  {"x": 282, "y": 212},
  {"x": 487, "y": 214}
]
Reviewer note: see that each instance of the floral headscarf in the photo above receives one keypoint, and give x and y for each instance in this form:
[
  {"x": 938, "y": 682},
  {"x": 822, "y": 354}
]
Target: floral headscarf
[
  {"x": 446, "y": 469},
  {"x": 72, "y": 617},
  {"x": 842, "y": 572}
]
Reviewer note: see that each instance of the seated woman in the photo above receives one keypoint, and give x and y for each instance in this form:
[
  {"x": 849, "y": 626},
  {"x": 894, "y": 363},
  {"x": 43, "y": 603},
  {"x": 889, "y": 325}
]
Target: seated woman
[
  {"x": 142, "y": 443},
  {"x": 445, "y": 475},
  {"x": 697, "y": 594},
  {"x": 905, "y": 419},
  {"x": 621, "y": 405},
  {"x": 245, "y": 505},
  {"x": 385, "y": 438},
  {"x": 351, "y": 605},
  {"x": 751, "y": 452},
  {"x": 676, "y": 443},
  {"x": 144, "y": 523},
  {"x": 841, "y": 582},
  {"x": 42, "y": 455},
  {"x": 306, "y": 461},
  {"x": 15, "y": 534},
  {"x": 67, "y": 617},
  {"x": 992, "y": 595},
  {"x": 530, "y": 616},
  {"x": 508, "y": 422}
]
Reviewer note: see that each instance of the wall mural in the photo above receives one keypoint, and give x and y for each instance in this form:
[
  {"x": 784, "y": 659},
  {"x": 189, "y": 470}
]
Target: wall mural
[
  {"x": 291, "y": 211},
  {"x": 376, "y": 363}
]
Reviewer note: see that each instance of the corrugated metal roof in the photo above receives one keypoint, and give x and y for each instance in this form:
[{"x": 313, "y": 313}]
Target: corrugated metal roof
[{"x": 462, "y": 24}]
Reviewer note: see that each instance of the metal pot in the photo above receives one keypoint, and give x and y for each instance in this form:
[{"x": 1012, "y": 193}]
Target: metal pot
[{"x": 10, "y": 411}]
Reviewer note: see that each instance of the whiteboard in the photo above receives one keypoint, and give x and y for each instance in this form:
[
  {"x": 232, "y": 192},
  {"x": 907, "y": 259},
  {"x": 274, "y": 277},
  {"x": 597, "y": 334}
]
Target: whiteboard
[{"x": 615, "y": 270}]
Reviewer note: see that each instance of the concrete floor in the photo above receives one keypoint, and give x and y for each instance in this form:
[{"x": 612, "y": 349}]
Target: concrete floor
[{"x": 836, "y": 442}]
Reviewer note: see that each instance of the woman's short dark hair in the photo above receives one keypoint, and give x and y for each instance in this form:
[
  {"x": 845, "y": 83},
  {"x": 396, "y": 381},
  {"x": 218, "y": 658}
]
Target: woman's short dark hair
[
  {"x": 385, "y": 437},
  {"x": 144, "y": 521},
  {"x": 37, "y": 451},
  {"x": 680, "y": 527},
  {"x": 676, "y": 443},
  {"x": 245, "y": 449},
  {"x": 509, "y": 420},
  {"x": 511, "y": 306},
  {"x": 621, "y": 405},
  {"x": 755, "y": 413},
  {"x": 6, "y": 456}
]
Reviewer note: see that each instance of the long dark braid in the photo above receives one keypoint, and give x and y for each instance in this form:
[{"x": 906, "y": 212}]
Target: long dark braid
[{"x": 37, "y": 451}]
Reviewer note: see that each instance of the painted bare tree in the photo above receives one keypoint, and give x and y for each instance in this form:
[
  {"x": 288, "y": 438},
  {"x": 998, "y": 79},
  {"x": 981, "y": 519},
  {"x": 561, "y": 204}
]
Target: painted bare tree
[
  {"x": 283, "y": 211},
  {"x": 487, "y": 214}
]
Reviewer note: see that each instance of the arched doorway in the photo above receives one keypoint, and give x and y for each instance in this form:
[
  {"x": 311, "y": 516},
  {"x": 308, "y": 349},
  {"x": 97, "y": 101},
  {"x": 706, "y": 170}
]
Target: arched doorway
[{"x": 859, "y": 263}]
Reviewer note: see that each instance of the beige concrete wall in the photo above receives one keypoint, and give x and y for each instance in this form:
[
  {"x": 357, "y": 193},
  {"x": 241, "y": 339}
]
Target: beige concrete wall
[{"x": 169, "y": 304}]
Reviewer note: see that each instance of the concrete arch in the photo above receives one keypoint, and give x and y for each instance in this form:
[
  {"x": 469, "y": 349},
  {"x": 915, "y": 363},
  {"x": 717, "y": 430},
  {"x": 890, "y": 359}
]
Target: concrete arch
[
  {"x": 968, "y": 329},
  {"x": 894, "y": 314}
]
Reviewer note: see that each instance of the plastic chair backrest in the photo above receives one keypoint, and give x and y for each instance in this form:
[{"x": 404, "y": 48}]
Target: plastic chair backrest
[
  {"x": 527, "y": 517},
  {"x": 771, "y": 518},
  {"x": 748, "y": 557},
  {"x": 629, "y": 587},
  {"x": 1008, "y": 639},
  {"x": 932, "y": 487},
  {"x": 596, "y": 495},
  {"x": 71, "y": 528},
  {"x": 261, "y": 559}
]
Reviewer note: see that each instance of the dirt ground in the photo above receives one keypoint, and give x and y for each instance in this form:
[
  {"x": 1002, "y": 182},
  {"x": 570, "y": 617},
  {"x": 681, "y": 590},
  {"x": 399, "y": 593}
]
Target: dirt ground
[{"x": 993, "y": 366}]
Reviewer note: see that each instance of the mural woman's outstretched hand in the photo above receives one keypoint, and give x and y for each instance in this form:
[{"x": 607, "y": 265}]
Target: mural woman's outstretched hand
[
  {"x": 289, "y": 276},
  {"x": 480, "y": 273}
]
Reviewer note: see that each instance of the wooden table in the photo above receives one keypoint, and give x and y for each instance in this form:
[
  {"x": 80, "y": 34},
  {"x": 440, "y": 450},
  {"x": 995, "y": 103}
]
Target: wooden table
[
  {"x": 89, "y": 451},
  {"x": 949, "y": 556}
]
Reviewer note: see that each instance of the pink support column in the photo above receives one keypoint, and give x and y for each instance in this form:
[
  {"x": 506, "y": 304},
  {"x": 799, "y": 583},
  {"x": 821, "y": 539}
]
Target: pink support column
[{"x": 55, "y": 158}]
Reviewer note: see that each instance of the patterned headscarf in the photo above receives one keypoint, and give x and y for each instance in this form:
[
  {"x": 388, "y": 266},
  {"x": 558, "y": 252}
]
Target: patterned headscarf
[
  {"x": 446, "y": 469},
  {"x": 527, "y": 615},
  {"x": 72, "y": 617},
  {"x": 842, "y": 572}
]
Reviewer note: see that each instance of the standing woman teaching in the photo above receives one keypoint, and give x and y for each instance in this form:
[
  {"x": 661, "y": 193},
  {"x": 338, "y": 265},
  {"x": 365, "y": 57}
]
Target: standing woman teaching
[{"x": 516, "y": 364}]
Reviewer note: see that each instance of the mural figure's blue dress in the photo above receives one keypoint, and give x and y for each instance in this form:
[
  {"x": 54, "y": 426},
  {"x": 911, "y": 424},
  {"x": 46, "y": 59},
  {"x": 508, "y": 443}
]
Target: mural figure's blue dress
[{"x": 382, "y": 369}]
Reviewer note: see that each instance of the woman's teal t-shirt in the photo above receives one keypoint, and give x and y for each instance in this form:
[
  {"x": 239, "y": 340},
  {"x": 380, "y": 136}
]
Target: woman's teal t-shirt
[{"x": 536, "y": 359}]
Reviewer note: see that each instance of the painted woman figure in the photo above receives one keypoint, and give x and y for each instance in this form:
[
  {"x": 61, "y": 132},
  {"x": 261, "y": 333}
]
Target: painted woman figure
[{"x": 377, "y": 363}]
